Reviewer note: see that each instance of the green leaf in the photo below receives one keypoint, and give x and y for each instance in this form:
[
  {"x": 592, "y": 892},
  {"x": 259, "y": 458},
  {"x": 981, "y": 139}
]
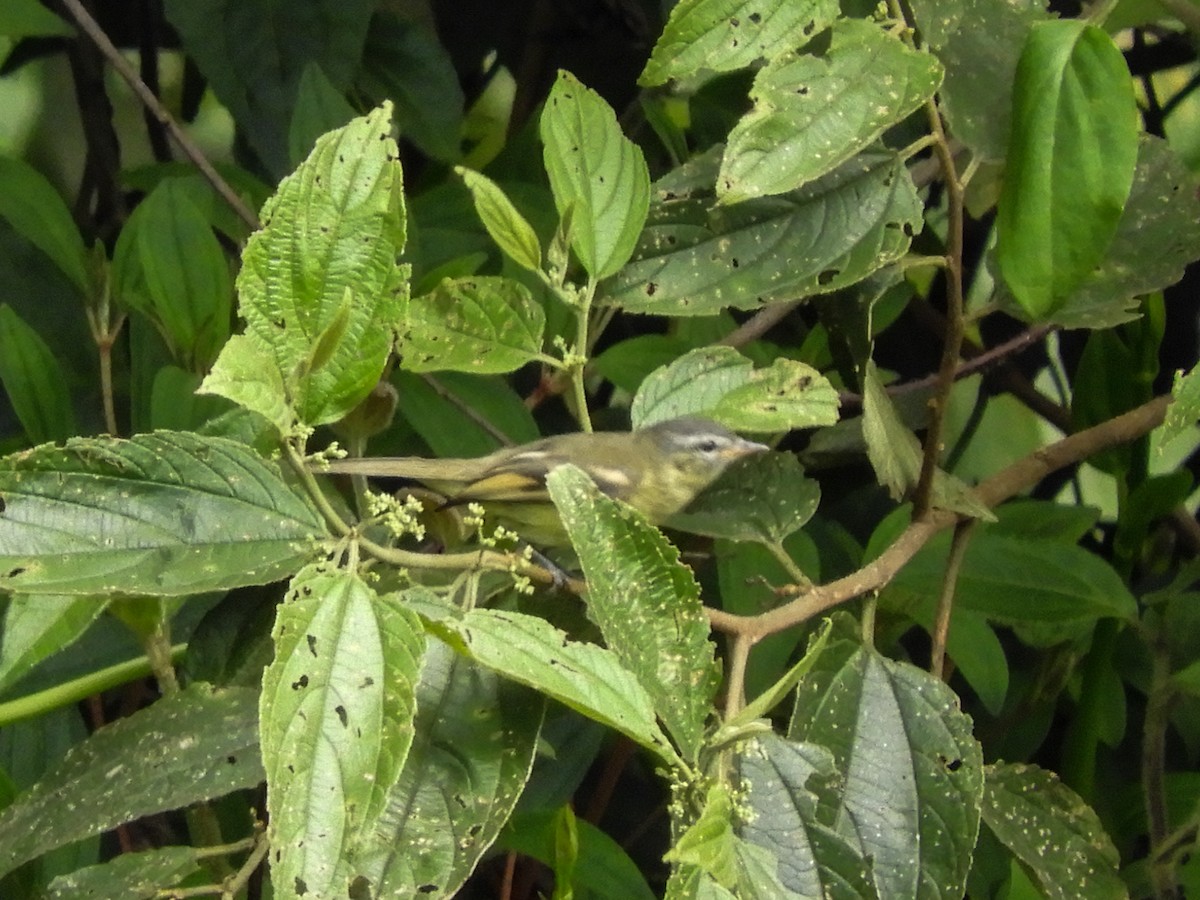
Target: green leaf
[
  {"x": 169, "y": 266},
  {"x": 602, "y": 867},
  {"x": 475, "y": 739},
  {"x": 165, "y": 514},
  {"x": 721, "y": 383},
  {"x": 28, "y": 18},
  {"x": 1184, "y": 412},
  {"x": 791, "y": 791},
  {"x": 195, "y": 745},
  {"x": 696, "y": 258},
  {"x": 320, "y": 107},
  {"x": 1071, "y": 161},
  {"x": 598, "y": 175},
  {"x": 37, "y": 626},
  {"x": 437, "y": 409},
  {"x": 247, "y": 375},
  {"x": 912, "y": 773},
  {"x": 627, "y": 363},
  {"x": 1015, "y": 579},
  {"x": 253, "y": 53},
  {"x": 485, "y": 325},
  {"x": 36, "y": 211},
  {"x": 895, "y": 454},
  {"x": 811, "y": 114},
  {"x": 585, "y": 677},
  {"x": 141, "y": 875},
  {"x": 336, "y": 723},
  {"x": 659, "y": 630},
  {"x": 404, "y": 62},
  {"x": 979, "y": 43},
  {"x": 708, "y": 842},
  {"x": 723, "y": 35},
  {"x": 331, "y": 231},
  {"x": 508, "y": 228},
  {"x": 34, "y": 381},
  {"x": 1056, "y": 837},
  {"x": 763, "y": 499},
  {"x": 1157, "y": 236}
]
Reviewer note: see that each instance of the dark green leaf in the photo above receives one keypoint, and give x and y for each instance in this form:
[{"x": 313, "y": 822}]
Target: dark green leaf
[
  {"x": 169, "y": 266},
  {"x": 646, "y": 602},
  {"x": 597, "y": 174},
  {"x": 476, "y": 737},
  {"x": 28, "y": 18},
  {"x": 36, "y": 211},
  {"x": 167, "y": 513},
  {"x": 253, "y": 53},
  {"x": 1071, "y": 160},
  {"x": 34, "y": 381},
  {"x": 196, "y": 745},
  {"x": 336, "y": 720},
  {"x": 912, "y": 772},
  {"x": 1056, "y": 837},
  {"x": 695, "y": 258},
  {"x": 763, "y": 499},
  {"x": 130, "y": 876},
  {"x": 448, "y": 411},
  {"x": 484, "y": 325},
  {"x": 722, "y": 35},
  {"x": 320, "y": 107},
  {"x": 813, "y": 113},
  {"x": 39, "y": 625}
]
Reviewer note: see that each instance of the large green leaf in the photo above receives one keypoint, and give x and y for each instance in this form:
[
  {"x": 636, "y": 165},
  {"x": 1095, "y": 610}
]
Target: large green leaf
[
  {"x": 1071, "y": 159},
  {"x": 320, "y": 288},
  {"x": 722, "y": 383},
  {"x": 696, "y": 258},
  {"x": 791, "y": 792},
  {"x": 475, "y": 742},
  {"x": 1056, "y": 837},
  {"x": 646, "y": 602},
  {"x": 585, "y": 677},
  {"x": 28, "y": 18},
  {"x": 253, "y": 52},
  {"x": 598, "y": 176},
  {"x": 336, "y": 720},
  {"x": 166, "y": 513},
  {"x": 812, "y": 113},
  {"x": 37, "y": 211},
  {"x": 144, "y": 875},
  {"x": 485, "y": 325},
  {"x": 979, "y": 43},
  {"x": 34, "y": 381},
  {"x": 196, "y": 745},
  {"x": 912, "y": 773},
  {"x": 723, "y": 35},
  {"x": 169, "y": 266}
]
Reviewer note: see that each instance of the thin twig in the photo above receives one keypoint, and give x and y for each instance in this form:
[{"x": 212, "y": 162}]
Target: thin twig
[
  {"x": 759, "y": 324},
  {"x": 85, "y": 21},
  {"x": 941, "y": 622}
]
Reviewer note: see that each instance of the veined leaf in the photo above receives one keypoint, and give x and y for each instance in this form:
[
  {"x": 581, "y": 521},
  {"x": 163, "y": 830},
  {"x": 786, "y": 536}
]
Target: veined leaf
[
  {"x": 34, "y": 381},
  {"x": 722, "y": 383},
  {"x": 336, "y": 721},
  {"x": 195, "y": 745},
  {"x": 167, "y": 513},
  {"x": 37, "y": 626},
  {"x": 485, "y": 325},
  {"x": 508, "y": 228},
  {"x": 645, "y": 601},
  {"x": 598, "y": 175},
  {"x": 326, "y": 256},
  {"x": 36, "y": 210},
  {"x": 476, "y": 735},
  {"x": 812, "y": 113},
  {"x": 141, "y": 875},
  {"x": 723, "y": 35},
  {"x": 696, "y": 258}
]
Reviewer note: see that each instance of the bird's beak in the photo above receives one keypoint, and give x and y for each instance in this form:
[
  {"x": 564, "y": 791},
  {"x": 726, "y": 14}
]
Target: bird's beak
[{"x": 743, "y": 448}]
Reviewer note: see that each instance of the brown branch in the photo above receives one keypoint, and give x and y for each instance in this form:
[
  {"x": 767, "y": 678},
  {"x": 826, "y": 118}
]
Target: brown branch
[
  {"x": 181, "y": 138},
  {"x": 759, "y": 324},
  {"x": 941, "y": 623},
  {"x": 1009, "y": 482}
]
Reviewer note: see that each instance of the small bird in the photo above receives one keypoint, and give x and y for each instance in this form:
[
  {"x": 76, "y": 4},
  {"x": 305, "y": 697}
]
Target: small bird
[{"x": 657, "y": 470}]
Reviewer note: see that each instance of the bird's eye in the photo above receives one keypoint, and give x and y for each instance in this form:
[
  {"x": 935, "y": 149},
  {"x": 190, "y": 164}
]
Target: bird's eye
[{"x": 707, "y": 446}]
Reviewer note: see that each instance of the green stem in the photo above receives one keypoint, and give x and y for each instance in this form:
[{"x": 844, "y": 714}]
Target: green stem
[
  {"x": 1083, "y": 736},
  {"x": 79, "y": 688}
]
